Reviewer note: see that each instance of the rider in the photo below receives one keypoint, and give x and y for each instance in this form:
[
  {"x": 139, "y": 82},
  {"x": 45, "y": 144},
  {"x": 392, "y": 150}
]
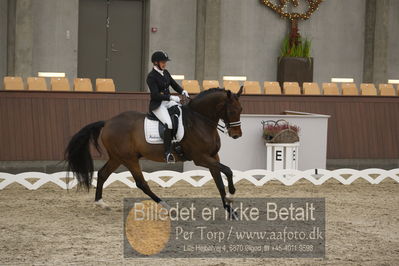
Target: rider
[{"x": 159, "y": 80}]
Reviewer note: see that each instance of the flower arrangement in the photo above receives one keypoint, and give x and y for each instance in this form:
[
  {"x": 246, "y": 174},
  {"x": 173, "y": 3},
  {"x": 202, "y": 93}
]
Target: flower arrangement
[{"x": 280, "y": 132}]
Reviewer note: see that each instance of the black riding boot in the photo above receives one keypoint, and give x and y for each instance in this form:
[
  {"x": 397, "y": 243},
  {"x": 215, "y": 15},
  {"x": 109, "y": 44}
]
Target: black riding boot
[{"x": 169, "y": 158}]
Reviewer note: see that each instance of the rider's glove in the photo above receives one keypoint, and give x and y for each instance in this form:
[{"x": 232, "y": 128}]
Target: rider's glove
[
  {"x": 185, "y": 93},
  {"x": 175, "y": 98}
]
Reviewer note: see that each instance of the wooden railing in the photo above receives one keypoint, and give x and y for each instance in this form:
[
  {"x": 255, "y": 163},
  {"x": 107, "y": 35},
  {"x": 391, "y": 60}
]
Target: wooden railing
[{"x": 38, "y": 125}]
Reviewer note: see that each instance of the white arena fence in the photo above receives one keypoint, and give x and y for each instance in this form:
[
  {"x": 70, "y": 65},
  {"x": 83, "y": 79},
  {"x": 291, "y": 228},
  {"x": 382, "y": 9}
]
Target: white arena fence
[{"x": 198, "y": 178}]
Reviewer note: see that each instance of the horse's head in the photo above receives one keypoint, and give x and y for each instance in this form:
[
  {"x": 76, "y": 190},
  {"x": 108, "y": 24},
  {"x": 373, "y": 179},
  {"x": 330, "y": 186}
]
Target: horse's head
[
  {"x": 231, "y": 115},
  {"x": 218, "y": 103}
]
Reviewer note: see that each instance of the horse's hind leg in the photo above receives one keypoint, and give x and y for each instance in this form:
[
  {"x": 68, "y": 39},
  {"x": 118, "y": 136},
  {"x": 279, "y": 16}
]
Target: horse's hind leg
[
  {"x": 135, "y": 169},
  {"x": 103, "y": 174}
]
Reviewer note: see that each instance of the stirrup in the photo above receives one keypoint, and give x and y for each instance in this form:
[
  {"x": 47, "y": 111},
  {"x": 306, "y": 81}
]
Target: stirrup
[{"x": 169, "y": 158}]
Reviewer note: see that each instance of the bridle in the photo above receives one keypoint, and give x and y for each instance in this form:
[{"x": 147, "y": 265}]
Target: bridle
[
  {"x": 228, "y": 124},
  {"x": 232, "y": 124}
]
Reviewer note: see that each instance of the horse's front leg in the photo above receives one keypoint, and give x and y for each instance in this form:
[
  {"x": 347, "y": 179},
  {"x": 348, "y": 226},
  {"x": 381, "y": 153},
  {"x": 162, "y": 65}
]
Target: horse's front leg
[
  {"x": 213, "y": 165},
  {"x": 229, "y": 174}
]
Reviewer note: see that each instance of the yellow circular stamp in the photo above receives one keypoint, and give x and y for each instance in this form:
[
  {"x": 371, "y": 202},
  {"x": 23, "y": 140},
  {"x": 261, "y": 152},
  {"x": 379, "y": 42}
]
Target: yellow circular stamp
[{"x": 148, "y": 227}]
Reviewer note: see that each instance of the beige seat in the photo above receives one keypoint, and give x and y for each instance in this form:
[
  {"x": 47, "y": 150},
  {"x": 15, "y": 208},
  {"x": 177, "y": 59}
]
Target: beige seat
[
  {"x": 37, "y": 84},
  {"x": 252, "y": 87},
  {"x": 105, "y": 85},
  {"x": 82, "y": 84},
  {"x": 311, "y": 88},
  {"x": 13, "y": 83},
  {"x": 291, "y": 88},
  {"x": 272, "y": 87},
  {"x": 232, "y": 85},
  {"x": 209, "y": 84},
  {"x": 191, "y": 86},
  {"x": 349, "y": 89},
  {"x": 60, "y": 84},
  {"x": 330, "y": 89},
  {"x": 368, "y": 89},
  {"x": 386, "y": 90}
]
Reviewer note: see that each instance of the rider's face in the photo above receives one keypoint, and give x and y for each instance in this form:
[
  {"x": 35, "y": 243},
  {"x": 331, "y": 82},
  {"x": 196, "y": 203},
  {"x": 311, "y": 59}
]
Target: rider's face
[{"x": 162, "y": 65}]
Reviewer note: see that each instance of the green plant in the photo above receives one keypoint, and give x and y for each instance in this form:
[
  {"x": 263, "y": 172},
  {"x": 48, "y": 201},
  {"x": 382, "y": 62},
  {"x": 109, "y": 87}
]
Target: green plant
[
  {"x": 306, "y": 48},
  {"x": 285, "y": 47},
  {"x": 302, "y": 49}
]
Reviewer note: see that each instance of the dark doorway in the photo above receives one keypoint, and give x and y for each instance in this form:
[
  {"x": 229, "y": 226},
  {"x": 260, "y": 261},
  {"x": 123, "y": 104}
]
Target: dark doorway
[{"x": 111, "y": 41}]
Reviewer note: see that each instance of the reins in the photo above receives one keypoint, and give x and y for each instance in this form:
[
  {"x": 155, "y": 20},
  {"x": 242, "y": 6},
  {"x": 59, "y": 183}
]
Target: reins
[{"x": 221, "y": 128}]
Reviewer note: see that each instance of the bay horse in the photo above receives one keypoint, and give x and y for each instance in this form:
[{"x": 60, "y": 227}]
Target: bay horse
[{"x": 124, "y": 140}]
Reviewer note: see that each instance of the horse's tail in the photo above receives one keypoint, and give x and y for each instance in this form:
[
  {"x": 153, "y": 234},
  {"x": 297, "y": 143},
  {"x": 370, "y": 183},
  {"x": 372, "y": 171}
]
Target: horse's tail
[{"x": 77, "y": 153}]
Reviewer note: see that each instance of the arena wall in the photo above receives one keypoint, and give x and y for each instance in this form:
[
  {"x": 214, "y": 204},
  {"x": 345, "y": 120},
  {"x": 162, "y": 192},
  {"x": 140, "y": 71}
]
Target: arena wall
[
  {"x": 224, "y": 37},
  {"x": 3, "y": 37}
]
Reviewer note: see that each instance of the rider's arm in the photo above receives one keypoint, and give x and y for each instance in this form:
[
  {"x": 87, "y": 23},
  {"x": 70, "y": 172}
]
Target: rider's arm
[
  {"x": 155, "y": 94},
  {"x": 175, "y": 85}
]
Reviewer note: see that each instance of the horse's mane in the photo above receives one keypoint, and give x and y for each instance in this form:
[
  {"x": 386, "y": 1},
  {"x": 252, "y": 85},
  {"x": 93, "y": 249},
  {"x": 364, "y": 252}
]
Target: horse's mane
[
  {"x": 202, "y": 94},
  {"x": 188, "y": 111}
]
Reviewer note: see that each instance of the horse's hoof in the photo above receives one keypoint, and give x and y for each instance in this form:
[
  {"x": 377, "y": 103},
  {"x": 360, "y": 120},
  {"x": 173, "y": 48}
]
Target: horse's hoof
[
  {"x": 229, "y": 197},
  {"x": 165, "y": 205},
  {"x": 102, "y": 204},
  {"x": 232, "y": 214}
]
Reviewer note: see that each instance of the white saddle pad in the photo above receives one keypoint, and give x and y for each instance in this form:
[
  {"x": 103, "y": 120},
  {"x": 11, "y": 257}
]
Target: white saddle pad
[{"x": 151, "y": 130}]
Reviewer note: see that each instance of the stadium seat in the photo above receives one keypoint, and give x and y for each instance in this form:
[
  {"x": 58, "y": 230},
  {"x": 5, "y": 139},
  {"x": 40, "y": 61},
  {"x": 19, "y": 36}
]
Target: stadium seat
[
  {"x": 191, "y": 86},
  {"x": 311, "y": 88},
  {"x": 208, "y": 84},
  {"x": 252, "y": 87},
  {"x": 232, "y": 85},
  {"x": 37, "y": 84},
  {"x": 330, "y": 89},
  {"x": 386, "y": 90},
  {"x": 349, "y": 89},
  {"x": 272, "y": 87},
  {"x": 13, "y": 83},
  {"x": 368, "y": 89},
  {"x": 60, "y": 84},
  {"x": 105, "y": 85},
  {"x": 292, "y": 88},
  {"x": 82, "y": 84}
]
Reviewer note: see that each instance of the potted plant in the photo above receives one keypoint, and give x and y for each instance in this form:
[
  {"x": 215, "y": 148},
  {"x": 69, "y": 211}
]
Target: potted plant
[
  {"x": 295, "y": 63},
  {"x": 282, "y": 144}
]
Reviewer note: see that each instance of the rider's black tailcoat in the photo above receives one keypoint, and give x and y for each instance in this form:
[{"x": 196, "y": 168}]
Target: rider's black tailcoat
[{"x": 159, "y": 87}]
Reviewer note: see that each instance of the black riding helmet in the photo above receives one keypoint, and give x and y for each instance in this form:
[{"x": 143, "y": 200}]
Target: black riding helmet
[{"x": 159, "y": 56}]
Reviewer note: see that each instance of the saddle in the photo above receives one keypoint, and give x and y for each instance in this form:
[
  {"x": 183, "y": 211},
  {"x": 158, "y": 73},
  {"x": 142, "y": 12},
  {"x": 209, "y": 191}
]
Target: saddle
[
  {"x": 174, "y": 113},
  {"x": 154, "y": 129}
]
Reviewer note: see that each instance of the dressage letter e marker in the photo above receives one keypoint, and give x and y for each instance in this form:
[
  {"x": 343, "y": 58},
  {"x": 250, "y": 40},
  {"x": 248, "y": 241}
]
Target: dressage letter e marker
[{"x": 278, "y": 155}]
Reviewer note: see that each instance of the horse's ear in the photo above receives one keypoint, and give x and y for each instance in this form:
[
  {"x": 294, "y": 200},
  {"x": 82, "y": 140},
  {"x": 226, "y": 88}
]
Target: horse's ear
[
  {"x": 240, "y": 91},
  {"x": 228, "y": 93}
]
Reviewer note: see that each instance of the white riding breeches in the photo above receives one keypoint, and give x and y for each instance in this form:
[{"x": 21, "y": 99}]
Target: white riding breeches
[{"x": 162, "y": 112}]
